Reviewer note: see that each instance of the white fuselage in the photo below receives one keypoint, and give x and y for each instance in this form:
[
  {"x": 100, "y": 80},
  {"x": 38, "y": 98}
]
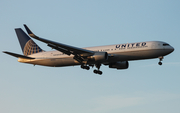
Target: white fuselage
[{"x": 118, "y": 52}]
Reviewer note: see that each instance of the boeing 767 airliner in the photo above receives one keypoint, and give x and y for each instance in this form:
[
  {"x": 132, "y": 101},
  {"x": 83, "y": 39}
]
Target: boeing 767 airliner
[{"x": 115, "y": 56}]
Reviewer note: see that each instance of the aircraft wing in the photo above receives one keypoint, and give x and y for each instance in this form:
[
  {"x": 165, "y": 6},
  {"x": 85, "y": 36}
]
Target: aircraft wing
[
  {"x": 17, "y": 55},
  {"x": 66, "y": 49}
]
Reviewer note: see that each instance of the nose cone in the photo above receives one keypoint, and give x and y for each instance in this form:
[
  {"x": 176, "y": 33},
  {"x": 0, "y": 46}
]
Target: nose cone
[
  {"x": 168, "y": 49},
  {"x": 171, "y": 49}
]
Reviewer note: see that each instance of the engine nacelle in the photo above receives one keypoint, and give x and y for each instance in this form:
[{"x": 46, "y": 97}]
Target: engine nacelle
[
  {"x": 99, "y": 57},
  {"x": 119, "y": 65}
]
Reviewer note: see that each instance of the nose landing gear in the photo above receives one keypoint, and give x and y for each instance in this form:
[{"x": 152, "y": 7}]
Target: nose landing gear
[
  {"x": 160, "y": 63},
  {"x": 160, "y": 59}
]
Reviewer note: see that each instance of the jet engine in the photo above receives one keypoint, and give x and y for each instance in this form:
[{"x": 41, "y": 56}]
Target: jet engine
[
  {"x": 119, "y": 65},
  {"x": 99, "y": 57}
]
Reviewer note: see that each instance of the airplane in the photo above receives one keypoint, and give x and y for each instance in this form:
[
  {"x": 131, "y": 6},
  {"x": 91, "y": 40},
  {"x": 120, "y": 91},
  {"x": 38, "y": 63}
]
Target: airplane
[{"x": 115, "y": 56}]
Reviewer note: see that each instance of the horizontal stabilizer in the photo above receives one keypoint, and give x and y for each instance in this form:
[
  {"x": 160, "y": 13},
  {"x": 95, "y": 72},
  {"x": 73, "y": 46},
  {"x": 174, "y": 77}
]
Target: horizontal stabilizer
[{"x": 17, "y": 55}]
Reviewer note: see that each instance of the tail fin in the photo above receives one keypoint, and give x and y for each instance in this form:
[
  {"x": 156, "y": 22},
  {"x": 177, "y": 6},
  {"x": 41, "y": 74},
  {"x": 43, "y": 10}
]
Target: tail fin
[{"x": 28, "y": 46}]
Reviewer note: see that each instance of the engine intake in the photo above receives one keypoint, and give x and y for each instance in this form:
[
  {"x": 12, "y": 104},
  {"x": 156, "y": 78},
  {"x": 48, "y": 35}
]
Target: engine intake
[{"x": 119, "y": 65}]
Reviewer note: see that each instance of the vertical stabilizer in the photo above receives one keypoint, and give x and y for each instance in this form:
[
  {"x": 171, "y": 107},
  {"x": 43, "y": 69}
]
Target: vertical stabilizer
[{"x": 28, "y": 46}]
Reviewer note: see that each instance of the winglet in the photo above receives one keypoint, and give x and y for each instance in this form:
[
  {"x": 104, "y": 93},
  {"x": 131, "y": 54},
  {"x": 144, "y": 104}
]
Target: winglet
[{"x": 30, "y": 32}]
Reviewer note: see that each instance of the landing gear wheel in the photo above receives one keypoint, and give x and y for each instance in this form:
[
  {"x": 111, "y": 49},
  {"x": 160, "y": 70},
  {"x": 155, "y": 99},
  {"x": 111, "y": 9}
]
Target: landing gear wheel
[
  {"x": 95, "y": 71},
  {"x": 98, "y": 72},
  {"x": 85, "y": 67},
  {"x": 160, "y": 63},
  {"x": 160, "y": 59}
]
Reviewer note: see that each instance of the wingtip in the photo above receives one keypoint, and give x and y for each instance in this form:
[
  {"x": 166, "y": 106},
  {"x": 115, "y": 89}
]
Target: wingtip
[{"x": 29, "y": 31}]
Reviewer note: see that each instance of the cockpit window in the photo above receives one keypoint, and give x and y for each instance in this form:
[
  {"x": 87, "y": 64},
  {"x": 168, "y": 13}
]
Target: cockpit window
[{"x": 165, "y": 44}]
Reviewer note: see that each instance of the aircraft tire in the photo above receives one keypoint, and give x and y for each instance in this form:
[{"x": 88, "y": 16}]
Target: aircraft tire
[{"x": 160, "y": 63}]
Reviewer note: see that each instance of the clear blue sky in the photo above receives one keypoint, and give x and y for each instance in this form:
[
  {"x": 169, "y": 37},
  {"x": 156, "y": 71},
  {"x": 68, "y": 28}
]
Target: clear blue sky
[{"x": 145, "y": 87}]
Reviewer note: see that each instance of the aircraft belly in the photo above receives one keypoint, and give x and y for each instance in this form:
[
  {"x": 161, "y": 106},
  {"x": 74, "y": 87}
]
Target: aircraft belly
[
  {"x": 68, "y": 62},
  {"x": 137, "y": 55},
  {"x": 53, "y": 62}
]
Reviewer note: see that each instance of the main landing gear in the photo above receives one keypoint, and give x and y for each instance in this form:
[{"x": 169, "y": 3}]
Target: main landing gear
[
  {"x": 85, "y": 67},
  {"x": 160, "y": 59},
  {"x": 96, "y": 71}
]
